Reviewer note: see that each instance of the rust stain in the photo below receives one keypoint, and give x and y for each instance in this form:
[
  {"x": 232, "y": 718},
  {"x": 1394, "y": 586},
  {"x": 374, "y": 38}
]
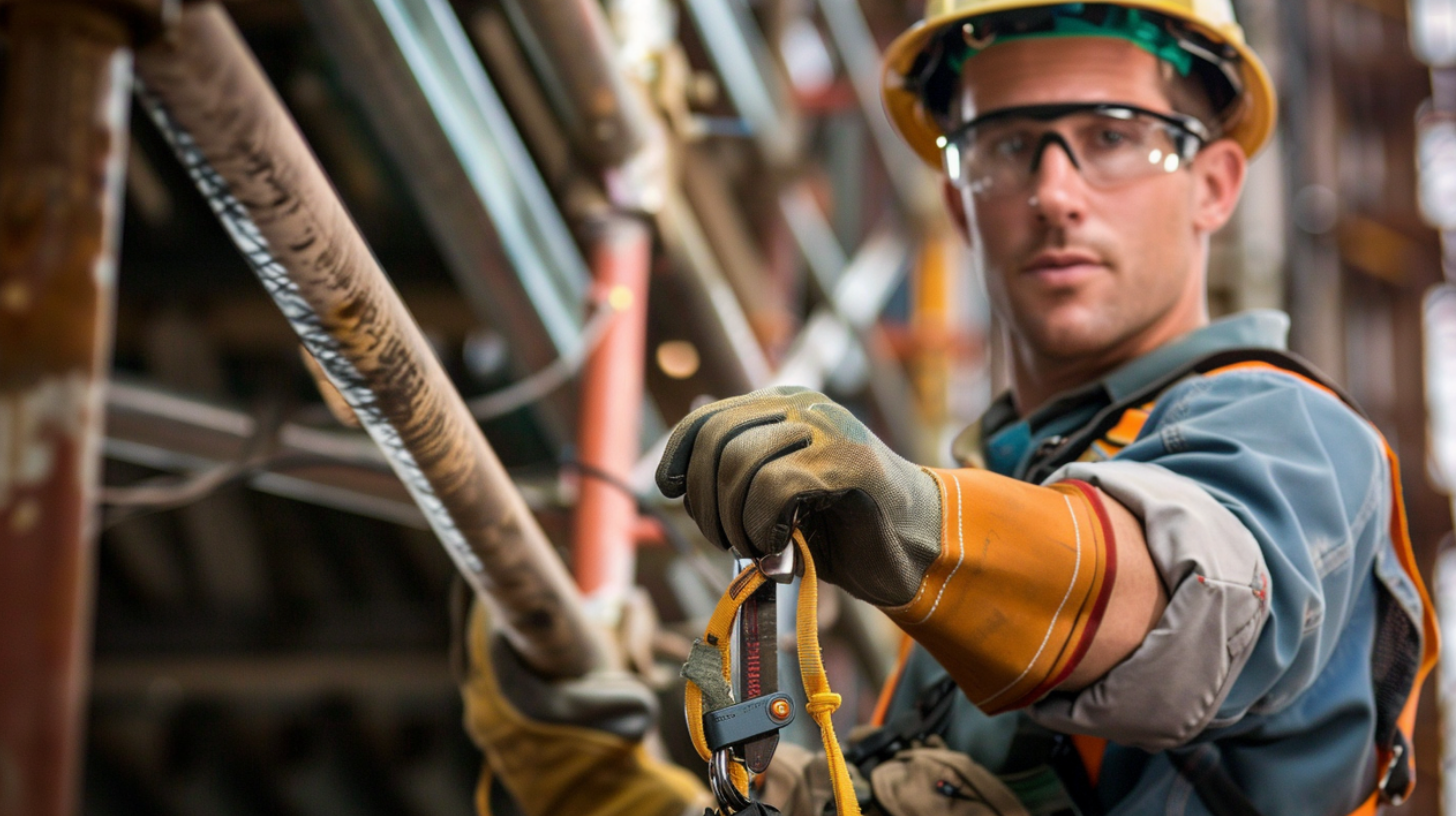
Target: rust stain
[
  {"x": 15, "y": 296},
  {"x": 43, "y": 582},
  {"x": 12, "y": 783}
]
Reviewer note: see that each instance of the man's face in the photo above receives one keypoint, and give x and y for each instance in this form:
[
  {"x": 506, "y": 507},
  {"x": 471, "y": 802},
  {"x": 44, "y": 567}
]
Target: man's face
[{"x": 1080, "y": 273}]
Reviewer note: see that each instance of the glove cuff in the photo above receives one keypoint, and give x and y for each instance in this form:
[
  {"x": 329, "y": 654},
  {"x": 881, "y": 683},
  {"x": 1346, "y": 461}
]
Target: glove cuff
[{"x": 1019, "y": 588}]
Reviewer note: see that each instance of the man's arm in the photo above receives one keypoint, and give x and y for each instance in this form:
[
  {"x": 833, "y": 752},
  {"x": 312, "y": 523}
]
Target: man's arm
[
  {"x": 1264, "y": 503},
  {"x": 1007, "y": 584},
  {"x": 1232, "y": 534},
  {"x": 1137, "y": 601}
]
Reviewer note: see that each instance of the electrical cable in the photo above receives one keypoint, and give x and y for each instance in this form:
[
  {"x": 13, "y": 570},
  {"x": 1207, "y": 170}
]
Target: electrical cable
[
  {"x": 680, "y": 543},
  {"x": 555, "y": 374},
  {"x": 163, "y": 493},
  {"x": 166, "y": 493}
]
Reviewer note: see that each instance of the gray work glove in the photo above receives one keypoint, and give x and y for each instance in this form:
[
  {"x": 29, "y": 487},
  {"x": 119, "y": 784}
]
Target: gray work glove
[{"x": 752, "y": 466}]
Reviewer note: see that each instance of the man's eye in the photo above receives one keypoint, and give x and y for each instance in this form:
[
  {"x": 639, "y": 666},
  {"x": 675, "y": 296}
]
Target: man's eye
[
  {"x": 1010, "y": 145},
  {"x": 1111, "y": 138}
]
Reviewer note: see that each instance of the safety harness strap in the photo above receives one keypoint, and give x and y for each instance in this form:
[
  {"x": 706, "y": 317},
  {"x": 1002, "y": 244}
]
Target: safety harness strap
[
  {"x": 718, "y": 634},
  {"x": 822, "y": 701}
]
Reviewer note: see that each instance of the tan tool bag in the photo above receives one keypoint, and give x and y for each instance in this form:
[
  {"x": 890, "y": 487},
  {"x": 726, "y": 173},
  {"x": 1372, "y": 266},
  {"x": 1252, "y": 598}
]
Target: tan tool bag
[{"x": 921, "y": 781}]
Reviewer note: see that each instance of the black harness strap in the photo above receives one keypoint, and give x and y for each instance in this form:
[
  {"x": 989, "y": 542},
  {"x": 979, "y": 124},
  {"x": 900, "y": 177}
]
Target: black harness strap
[
  {"x": 1206, "y": 773},
  {"x": 929, "y": 717}
]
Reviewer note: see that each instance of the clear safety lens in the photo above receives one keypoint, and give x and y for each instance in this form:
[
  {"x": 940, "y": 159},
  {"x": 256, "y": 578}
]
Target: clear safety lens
[{"x": 1000, "y": 153}]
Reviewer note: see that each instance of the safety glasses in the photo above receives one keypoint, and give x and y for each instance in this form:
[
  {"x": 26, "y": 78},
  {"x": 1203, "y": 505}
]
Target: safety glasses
[{"x": 1110, "y": 144}]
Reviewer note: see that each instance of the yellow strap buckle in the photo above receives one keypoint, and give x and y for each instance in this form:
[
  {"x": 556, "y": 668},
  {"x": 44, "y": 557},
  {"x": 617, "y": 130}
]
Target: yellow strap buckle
[{"x": 728, "y": 777}]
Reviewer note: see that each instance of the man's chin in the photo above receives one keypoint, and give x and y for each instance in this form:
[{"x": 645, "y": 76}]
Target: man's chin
[{"x": 1070, "y": 337}]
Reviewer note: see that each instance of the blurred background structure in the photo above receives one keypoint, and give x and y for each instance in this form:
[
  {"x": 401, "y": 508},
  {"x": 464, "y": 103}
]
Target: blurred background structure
[{"x": 600, "y": 213}]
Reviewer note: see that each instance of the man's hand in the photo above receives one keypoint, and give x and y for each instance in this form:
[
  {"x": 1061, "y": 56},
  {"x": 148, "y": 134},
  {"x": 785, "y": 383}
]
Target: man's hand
[
  {"x": 566, "y": 746},
  {"x": 752, "y": 468}
]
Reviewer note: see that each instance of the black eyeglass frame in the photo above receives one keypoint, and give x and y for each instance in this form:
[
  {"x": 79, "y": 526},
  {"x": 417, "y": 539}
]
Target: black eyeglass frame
[
  {"x": 1050, "y": 113},
  {"x": 1191, "y": 134}
]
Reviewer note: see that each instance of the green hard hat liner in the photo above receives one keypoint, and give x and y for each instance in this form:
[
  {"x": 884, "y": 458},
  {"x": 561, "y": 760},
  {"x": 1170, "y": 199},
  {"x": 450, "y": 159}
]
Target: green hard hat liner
[
  {"x": 1072, "y": 20},
  {"x": 937, "y": 71}
]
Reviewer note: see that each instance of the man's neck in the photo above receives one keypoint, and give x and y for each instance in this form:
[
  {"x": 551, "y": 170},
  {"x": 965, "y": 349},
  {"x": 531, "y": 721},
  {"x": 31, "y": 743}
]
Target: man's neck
[{"x": 1036, "y": 379}]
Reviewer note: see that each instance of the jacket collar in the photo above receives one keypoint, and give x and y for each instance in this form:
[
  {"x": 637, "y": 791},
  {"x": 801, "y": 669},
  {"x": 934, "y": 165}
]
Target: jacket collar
[{"x": 1005, "y": 438}]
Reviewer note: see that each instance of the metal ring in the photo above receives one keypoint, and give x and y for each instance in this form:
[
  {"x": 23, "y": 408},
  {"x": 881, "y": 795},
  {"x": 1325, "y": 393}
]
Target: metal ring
[
  {"x": 730, "y": 798},
  {"x": 781, "y": 566}
]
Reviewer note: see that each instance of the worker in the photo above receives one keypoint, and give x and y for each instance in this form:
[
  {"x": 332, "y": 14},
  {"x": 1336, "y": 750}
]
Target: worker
[{"x": 1172, "y": 574}]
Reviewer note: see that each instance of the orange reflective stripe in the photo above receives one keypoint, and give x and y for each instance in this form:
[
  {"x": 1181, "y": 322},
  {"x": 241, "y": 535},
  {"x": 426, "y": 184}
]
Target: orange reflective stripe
[
  {"x": 1124, "y": 433},
  {"x": 1128, "y": 426},
  {"x": 1430, "y": 631},
  {"x": 887, "y": 691},
  {"x": 1091, "y": 750},
  {"x": 1253, "y": 364},
  {"x": 1370, "y": 807}
]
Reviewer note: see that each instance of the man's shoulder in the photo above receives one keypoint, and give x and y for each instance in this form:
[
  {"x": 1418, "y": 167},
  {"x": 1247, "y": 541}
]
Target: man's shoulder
[
  {"x": 1262, "y": 395},
  {"x": 1259, "y": 425}
]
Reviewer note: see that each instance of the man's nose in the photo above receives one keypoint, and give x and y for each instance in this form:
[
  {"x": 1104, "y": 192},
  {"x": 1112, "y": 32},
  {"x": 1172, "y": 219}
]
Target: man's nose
[{"x": 1058, "y": 189}]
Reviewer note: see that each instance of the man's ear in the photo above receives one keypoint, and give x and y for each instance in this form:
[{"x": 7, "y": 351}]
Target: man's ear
[
  {"x": 1219, "y": 171},
  {"x": 956, "y": 206}
]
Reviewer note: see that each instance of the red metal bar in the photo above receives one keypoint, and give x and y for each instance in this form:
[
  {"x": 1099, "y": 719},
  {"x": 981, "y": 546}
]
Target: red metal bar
[
  {"x": 603, "y": 553},
  {"x": 63, "y": 141},
  {"x": 615, "y": 128}
]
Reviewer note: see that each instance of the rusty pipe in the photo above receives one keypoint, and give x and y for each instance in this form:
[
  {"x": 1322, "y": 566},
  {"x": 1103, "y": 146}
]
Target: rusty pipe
[
  {"x": 63, "y": 144},
  {"x": 224, "y": 120}
]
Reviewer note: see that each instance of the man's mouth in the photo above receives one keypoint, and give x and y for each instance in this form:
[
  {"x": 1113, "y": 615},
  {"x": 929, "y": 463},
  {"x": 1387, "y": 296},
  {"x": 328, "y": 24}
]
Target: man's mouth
[{"x": 1063, "y": 266}]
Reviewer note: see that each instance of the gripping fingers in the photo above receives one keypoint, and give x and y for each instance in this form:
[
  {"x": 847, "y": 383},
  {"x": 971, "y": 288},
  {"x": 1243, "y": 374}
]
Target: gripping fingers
[
  {"x": 672, "y": 471},
  {"x": 705, "y": 466},
  {"x": 744, "y": 458},
  {"x": 777, "y": 490}
]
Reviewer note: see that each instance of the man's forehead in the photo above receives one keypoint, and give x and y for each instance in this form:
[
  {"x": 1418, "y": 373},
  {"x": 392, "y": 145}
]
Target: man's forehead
[{"x": 1061, "y": 69}]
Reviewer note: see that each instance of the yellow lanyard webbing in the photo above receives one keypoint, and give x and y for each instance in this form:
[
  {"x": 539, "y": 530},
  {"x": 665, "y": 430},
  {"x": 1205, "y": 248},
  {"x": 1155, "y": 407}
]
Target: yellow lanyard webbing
[{"x": 822, "y": 702}]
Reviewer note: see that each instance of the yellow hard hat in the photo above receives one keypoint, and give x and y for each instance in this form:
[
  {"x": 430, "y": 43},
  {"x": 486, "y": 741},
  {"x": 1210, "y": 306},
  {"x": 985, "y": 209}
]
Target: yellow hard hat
[{"x": 1249, "y": 120}]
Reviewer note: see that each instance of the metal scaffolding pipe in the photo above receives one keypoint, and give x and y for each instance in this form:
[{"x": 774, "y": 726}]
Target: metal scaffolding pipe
[
  {"x": 571, "y": 48},
  {"x": 618, "y": 133},
  {"x": 731, "y": 359},
  {"x": 436, "y": 111},
  {"x": 603, "y": 550},
  {"x": 62, "y": 156},
  {"x": 211, "y": 100}
]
